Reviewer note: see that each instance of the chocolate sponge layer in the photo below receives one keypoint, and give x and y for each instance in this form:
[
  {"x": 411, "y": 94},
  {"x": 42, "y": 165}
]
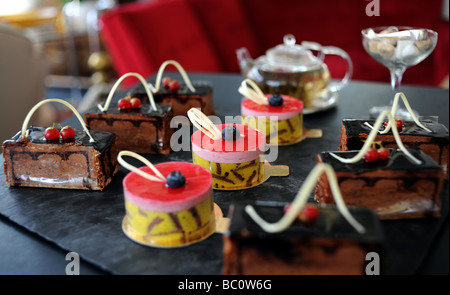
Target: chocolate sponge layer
[{"x": 394, "y": 188}]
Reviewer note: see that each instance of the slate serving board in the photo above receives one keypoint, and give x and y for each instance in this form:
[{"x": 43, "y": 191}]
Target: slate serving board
[{"x": 89, "y": 222}]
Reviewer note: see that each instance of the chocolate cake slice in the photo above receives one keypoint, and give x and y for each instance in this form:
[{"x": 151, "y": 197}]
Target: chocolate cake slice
[
  {"x": 139, "y": 127},
  {"x": 181, "y": 99},
  {"x": 141, "y": 130},
  {"x": 329, "y": 246},
  {"x": 75, "y": 163},
  {"x": 435, "y": 144},
  {"x": 180, "y": 95},
  {"x": 394, "y": 188}
]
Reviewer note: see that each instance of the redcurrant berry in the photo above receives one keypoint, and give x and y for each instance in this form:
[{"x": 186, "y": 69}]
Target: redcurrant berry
[
  {"x": 67, "y": 132},
  {"x": 174, "y": 85},
  {"x": 371, "y": 155},
  {"x": 398, "y": 122},
  {"x": 51, "y": 133},
  {"x": 135, "y": 103},
  {"x": 383, "y": 154},
  {"x": 309, "y": 213},
  {"x": 166, "y": 81},
  {"x": 124, "y": 104}
]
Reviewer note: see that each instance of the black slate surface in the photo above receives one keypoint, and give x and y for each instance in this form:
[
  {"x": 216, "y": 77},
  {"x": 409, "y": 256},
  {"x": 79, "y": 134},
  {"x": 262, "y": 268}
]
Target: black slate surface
[{"x": 89, "y": 222}]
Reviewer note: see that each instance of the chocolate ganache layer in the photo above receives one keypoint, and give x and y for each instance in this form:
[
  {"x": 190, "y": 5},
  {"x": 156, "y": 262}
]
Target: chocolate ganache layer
[{"x": 394, "y": 188}]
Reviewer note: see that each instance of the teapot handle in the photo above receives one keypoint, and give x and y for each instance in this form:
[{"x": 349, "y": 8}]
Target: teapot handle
[
  {"x": 316, "y": 47},
  {"x": 333, "y": 50},
  {"x": 336, "y": 86}
]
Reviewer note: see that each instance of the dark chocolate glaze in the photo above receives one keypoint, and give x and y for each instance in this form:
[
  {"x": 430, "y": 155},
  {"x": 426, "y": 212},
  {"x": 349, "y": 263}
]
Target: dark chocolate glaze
[
  {"x": 134, "y": 116},
  {"x": 396, "y": 161},
  {"x": 355, "y": 127},
  {"x": 144, "y": 110},
  {"x": 102, "y": 140},
  {"x": 329, "y": 224},
  {"x": 202, "y": 88},
  {"x": 183, "y": 95}
]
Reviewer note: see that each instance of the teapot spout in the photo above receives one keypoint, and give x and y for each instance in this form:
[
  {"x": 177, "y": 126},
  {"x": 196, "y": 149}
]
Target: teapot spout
[{"x": 244, "y": 60}]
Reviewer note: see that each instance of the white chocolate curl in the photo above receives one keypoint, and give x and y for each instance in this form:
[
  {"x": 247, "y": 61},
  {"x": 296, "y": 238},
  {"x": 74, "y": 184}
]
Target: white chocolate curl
[
  {"x": 31, "y": 112},
  {"x": 300, "y": 201},
  {"x": 158, "y": 177},
  {"x": 371, "y": 137},
  {"x": 116, "y": 85},
  {"x": 408, "y": 107},
  {"x": 254, "y": 94},
  {"x": 204, "y": 124},
  {"x": 179, "y": 68}
]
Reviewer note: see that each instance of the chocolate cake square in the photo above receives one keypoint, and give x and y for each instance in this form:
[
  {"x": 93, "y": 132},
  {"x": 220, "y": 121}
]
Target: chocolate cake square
[
  {"x": 394, "y": 188},
  {"x": 141, "y": 130},
  {"x": 435, "y": 143},
  {"x": 74, "y": 163},
  {"x": 181, "y": 99},
  {"x": 330, "y": 246}
]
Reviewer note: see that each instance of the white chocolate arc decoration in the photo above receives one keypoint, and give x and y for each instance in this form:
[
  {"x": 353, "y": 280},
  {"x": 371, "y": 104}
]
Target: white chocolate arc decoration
[
  {"x": 394, "y": 108},
  {"x": 371, "y": 138},
  {"x": 204, "y": 124},
  {"x": 116, "y": 85},
  {"x": 300, "y": 200},
  {"x": 160, "y": 73},
  {"x": 254, "y": 94},
  {"x": 159, "y": 177},
  {"x": 39, "y": 104}
]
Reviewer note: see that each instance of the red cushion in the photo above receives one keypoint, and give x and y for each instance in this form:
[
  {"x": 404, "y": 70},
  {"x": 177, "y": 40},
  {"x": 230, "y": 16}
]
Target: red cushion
[
  {"x": 227, "y": 27},
  {"x": 141, "y": 36}
]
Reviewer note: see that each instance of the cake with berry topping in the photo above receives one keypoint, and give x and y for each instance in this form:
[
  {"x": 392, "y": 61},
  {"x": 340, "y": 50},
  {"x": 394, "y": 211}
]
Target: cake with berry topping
[
  {"x": 172, "y": 206},
  {"x": 279, "y": 117},
  {"x": 235, "y": 159},
  {"x": 68, "y": 158},
  {"x": 428, "y": 135},
  {"x": 435, "y": 143},
  {"x": 281, "y": 120},
  {"x": 328, "y": 246},
  {"x": 301, "y": 238},
  {"x": 181, "y": 95},
  {"x": 393, "y": 186},
  {"x": 142, "y": 127}
]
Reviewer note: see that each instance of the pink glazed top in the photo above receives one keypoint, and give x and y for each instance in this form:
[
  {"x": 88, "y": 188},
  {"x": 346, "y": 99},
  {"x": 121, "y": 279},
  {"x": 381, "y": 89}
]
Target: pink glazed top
[
  {"x": 156, "y": 196},
  {"x": 291, "y": 107},
  {"x": 248, "y": 147}
]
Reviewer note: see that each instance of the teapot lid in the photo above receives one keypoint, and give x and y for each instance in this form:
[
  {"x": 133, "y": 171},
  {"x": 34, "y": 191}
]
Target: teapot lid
[{"x": 292, "y": 56}]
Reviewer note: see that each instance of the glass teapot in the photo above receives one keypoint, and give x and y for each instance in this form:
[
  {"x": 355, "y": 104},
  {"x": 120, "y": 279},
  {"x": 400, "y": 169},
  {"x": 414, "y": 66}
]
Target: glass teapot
[{"x": 293, "y": 69}]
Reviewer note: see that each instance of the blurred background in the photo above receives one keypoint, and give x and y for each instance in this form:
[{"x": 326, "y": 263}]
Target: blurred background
[{"x": 75, "y": 50}]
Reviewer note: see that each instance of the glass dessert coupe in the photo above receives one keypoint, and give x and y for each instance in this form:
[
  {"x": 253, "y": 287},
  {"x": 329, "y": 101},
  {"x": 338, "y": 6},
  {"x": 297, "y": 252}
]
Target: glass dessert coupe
[{"x": 398, "y": 48}]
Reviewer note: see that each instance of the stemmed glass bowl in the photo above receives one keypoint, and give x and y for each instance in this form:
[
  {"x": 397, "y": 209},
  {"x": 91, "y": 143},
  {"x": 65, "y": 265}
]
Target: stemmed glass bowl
[{"x": 398, "y": 48}]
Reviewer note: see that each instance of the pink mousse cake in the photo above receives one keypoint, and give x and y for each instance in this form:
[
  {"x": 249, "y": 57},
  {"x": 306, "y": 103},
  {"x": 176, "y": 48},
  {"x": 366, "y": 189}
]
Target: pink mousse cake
[
  {"x": 234, "y": 164},
  {"x": 161, "y": 216},
  {"x": 281, "y": 124}
]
